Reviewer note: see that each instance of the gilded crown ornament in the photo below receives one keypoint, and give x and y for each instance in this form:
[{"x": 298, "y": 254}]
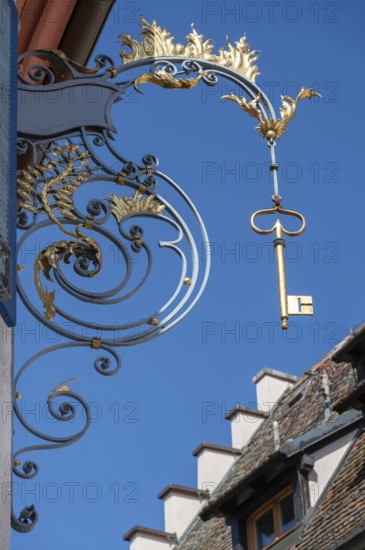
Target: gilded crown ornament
[{"x": 158, "y": 42}]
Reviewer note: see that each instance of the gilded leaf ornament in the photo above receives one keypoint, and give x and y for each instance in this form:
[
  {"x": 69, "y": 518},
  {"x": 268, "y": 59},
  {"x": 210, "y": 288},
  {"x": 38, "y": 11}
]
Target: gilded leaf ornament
[
  {"x": 78, "y": 66},
  {"x": 289, "y": 105},
  {"x": 158, "y": 42},
  {"x": 250, "y": 107},
  {"x": 273, "y": 128},
  {"x": 123, "y": 205},
  {"x": 49, "y": 186},
  {"x": 45, "y": 189},
  {"x": 62, "y": 387},
  {"x": 48, "y": 259},
  {"x": 166, "y": 80}
]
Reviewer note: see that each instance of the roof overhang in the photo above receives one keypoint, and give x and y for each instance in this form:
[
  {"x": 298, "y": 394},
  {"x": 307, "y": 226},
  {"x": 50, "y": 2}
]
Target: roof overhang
[
  {"x": 279, "y": 462},
  {"x": 72, "y": 27}
]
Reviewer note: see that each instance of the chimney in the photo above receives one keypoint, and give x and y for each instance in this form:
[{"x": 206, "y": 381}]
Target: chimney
[
  {"x": 143, "y": 538},
  {"x": 244, "y": 423},
  {"x": 181, "y": 504},
  {"x": 213, "y": 463},
  {"x": 270, "y": 386}
]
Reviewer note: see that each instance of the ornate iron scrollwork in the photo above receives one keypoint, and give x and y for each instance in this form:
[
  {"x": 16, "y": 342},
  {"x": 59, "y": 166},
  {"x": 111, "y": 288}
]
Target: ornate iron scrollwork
[{"x": 135, "y": 210}]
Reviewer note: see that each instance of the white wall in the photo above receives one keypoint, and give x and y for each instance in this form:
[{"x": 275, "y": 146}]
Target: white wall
[
  {"x": 147, "y": 542},
  {"x": 327, "y": 460},
  {"x": 268, "y": 390},
  {"x": 179, "y": 510},
  {"x": 212, "y": 466},
  {"x": 243, "y": 426}
]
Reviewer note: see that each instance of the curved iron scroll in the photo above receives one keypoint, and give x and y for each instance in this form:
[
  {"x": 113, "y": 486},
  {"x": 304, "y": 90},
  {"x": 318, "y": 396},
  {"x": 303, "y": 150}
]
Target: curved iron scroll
[
  {"x": 74, "y": 125},
  {"x": 135, "y": 208}
]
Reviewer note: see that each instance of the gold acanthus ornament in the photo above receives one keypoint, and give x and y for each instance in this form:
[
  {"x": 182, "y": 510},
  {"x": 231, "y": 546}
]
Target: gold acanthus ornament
[
  {"x": 158, "y": 42},
  {"x": 48, "y": 259},
  {"x": 122, "y": 206},
  {"x": 47, "y": 188},
  {"x": 166, "y": 80},
  {"x": 272, "y": 128}
]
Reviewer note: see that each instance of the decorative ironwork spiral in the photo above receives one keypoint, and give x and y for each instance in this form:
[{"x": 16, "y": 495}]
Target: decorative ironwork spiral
[
  {"x": 132, "y": 208},
  {"x": 61, "y": 406}
]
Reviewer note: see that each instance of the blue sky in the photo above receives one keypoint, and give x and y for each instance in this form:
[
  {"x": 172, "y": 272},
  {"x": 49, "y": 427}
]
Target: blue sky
[{"x": 149, "y": 417}]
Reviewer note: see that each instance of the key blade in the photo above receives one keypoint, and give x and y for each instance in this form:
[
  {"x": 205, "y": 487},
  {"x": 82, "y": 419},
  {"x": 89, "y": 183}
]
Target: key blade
[{"x": 300, "y": 305}]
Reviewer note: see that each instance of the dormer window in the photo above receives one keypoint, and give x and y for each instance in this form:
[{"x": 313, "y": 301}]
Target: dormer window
[{"x": 271, "y": 521}]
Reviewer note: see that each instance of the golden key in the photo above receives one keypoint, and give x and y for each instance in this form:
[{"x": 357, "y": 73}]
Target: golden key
[{"x": 289, "y": 305}]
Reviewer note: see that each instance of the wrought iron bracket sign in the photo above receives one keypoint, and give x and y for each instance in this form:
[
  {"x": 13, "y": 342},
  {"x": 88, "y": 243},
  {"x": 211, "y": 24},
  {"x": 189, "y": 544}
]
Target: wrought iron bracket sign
[{"x": 67, "y": 141}]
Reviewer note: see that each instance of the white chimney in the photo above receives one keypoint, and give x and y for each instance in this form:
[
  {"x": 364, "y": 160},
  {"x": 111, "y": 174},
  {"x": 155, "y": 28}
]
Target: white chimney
[
  {"x": 270, "y": 386},
  {"x": 213, "y": 463},
  {"x": 181, "y": 505},
  {"x": 244, "y": 423},
  {"x": 143, "y": 538}
]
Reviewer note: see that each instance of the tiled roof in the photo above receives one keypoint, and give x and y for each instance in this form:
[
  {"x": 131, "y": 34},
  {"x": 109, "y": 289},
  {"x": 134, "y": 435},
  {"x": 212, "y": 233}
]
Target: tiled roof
[
  {"x": 294, "y": 418},
  {"x": 341, "y": 512},
  {"x": 301, "y": 409},
  {"x": 211, "y": 535}
]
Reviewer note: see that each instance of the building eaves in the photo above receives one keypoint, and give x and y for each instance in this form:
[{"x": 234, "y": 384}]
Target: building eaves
[
  {"x": 84, "y": 28},
  {"x": 182, "y": 490},
  {"x": 75, "y": 31},
  {"x": 213, "y": 507},
  {"x": 326, "y": 430},
  {"x": 286, "y": 451},
  {"x": 352, "y": 347},
  {"x": 216, "y": 448},
  {"x": 154, "y": 533},
  {"x": 245, "y": 410},
  {"x": 299, "y": 413},
  {"x": 294, "y": 418},
  {"x": 286, "y": 377}
]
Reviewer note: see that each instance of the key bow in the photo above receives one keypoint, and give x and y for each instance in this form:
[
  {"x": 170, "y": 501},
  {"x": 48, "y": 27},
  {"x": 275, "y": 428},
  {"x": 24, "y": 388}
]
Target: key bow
[{"x": 278, "y": 227}]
